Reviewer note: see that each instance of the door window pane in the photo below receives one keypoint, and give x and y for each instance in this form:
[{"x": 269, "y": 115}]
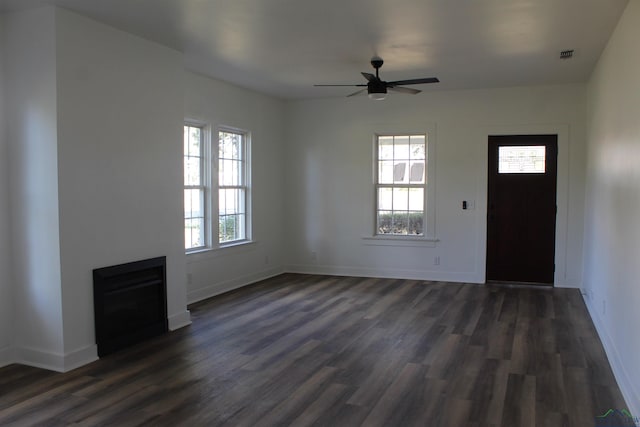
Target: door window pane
[{"x": 521, "y": 159}]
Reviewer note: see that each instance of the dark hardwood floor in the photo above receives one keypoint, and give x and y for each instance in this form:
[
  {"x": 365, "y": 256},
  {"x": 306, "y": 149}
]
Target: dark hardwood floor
[{"x": 316, "y": 350}]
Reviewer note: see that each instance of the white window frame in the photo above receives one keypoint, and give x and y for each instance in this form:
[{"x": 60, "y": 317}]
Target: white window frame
[
  {"x": 209, "y": 172},
  {"x": 428, "y": 238},
  {"x": 246, "y": 185},
  {"x": 205, "y": 176}
]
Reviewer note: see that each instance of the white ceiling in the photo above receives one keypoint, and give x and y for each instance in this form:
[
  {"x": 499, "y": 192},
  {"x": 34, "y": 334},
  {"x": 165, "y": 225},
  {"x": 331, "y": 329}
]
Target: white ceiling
[{"x": 283, "y": 47}]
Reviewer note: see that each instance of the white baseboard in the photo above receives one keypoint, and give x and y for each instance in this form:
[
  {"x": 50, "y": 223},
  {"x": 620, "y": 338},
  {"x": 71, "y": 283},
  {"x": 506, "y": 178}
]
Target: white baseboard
[
  {"x": 55, "y": 361},
  {"x": 80, "y": 357},
  {"x": 40, "y": 359},
  {"x": 386, "y": 273},
  {"x": 7, "y": 356},
  {"x": 568, "y": 285},
  {"x": 629, "y": 390},
  {"x": 229, "y": 285},
  {"x": 180, "y": 320},
  {"x": 222, "y": 287}
]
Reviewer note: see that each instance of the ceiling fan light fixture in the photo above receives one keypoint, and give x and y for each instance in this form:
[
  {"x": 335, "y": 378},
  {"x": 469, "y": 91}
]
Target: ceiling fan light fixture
[
  {"x": 377, "y": 96},
  {"x": 376, "y": 88}
]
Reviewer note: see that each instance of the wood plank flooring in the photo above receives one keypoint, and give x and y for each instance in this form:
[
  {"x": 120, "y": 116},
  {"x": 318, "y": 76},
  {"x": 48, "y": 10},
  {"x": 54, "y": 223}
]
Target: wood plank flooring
[{"x": 315, "y": 350}]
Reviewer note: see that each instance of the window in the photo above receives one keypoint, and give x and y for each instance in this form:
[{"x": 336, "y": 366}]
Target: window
[
  {"x": 232, "y": 186},
  {"x": 401, "y": 185},
  {"x": 228, "y": 189},
  {"x": 521, "y": 159},
  {"x": 194, "y": 188}
]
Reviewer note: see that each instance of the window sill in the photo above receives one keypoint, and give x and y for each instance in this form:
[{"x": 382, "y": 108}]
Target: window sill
[
  {"x": 402, "y": 241},
  {"x": 224, "y": 250}
]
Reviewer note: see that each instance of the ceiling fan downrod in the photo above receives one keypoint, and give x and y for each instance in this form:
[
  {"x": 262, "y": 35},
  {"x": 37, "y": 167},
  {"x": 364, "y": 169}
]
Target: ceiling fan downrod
[{"x": 377, "y": 62}]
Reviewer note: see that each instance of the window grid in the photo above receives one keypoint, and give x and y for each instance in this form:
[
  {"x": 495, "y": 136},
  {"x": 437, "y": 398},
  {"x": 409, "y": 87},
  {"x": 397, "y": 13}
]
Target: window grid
[
  {"x": 232, "y": 186},
  {"x": 194, "y": 188},
  {"x": 401, "y": 184},
  {"x": 521, "y": 159}
]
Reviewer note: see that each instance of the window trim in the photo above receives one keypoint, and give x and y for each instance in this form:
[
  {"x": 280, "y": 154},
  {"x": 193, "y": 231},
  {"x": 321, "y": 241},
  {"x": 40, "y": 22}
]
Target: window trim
[
  {"x": 428, "y": 238},
  {"x": 211, "y": 187},
  {"x": 205, "y": 175},
  {"x": 246, "y": 152}
]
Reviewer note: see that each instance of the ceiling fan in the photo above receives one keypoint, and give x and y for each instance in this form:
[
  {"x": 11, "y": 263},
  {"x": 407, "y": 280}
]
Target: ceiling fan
[{"x": 377, "y": 89}]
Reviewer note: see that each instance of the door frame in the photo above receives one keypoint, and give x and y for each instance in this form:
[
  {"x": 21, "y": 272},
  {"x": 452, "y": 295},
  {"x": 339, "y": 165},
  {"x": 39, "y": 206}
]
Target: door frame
[{"x": 562, "y": 193}]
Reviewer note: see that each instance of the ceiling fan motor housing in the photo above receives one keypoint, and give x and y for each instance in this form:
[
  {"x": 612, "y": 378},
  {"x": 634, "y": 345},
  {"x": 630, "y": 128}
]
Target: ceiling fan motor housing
[{"x": 377, "y": 86}]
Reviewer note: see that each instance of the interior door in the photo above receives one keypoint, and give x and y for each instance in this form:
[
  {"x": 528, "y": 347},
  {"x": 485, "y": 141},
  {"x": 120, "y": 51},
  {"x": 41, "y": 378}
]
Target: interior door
[{"x": 521, "y": 217}]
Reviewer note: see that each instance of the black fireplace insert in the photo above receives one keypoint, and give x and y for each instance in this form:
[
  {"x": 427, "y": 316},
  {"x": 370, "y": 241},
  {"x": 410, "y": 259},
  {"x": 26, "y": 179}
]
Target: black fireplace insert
[{"x": 130, "y": 303}]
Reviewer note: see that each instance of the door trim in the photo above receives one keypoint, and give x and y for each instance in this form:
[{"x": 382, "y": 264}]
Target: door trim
[{"x": 562, "y": 194}]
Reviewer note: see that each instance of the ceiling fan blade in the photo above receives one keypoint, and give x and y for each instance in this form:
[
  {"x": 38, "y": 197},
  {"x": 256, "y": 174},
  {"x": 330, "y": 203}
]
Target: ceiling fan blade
[
  {"x": 358, "y": 92},
  {"x": 414, "y": 81},
  {"x": 344, "y": 85},
  {"x": 405, "y": 90},
  {"x": 370, "y": 77}
]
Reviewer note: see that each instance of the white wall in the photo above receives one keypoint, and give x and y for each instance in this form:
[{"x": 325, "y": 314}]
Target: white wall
[
  {"x": 120, "y": 115},
  {"x": 330, "y": 197},
  {"x": 95, "y": 150},
  {"x": 30, "y": 69},
  {"x": 612, "y": 225},
  {"x": 216, "y": 103},
  {"x": 6, "y": 293}
]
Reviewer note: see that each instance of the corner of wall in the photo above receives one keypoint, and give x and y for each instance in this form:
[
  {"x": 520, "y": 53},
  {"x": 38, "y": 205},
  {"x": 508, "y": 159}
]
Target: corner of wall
[
  {"x": 7, "y": 356},
  {"x": 6, "y": 293},
  {"x": 630, "y": 391},
  {"x": 31, "y": 149},
  {"x": 611, "y": 229},
  {"x": 179, "y": 320}
]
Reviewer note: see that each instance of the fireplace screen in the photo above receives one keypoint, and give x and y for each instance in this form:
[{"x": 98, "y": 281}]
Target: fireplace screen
[{"x": 130, "y": 303}]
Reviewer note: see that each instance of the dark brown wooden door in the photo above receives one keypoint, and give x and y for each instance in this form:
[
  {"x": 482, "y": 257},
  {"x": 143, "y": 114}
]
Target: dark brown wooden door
[{"x": 521, "y": 217}]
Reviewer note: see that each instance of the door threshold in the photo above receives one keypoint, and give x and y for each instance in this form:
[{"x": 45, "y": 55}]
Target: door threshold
[{"x": 508, "y": 284}]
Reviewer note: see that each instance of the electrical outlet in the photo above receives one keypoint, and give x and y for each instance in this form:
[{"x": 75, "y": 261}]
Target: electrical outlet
[{"x": 436, "y": 260}]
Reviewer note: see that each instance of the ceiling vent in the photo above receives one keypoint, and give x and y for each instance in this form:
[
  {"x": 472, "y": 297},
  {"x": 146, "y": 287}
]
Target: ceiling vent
[{"x": 566, "y": 54}]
